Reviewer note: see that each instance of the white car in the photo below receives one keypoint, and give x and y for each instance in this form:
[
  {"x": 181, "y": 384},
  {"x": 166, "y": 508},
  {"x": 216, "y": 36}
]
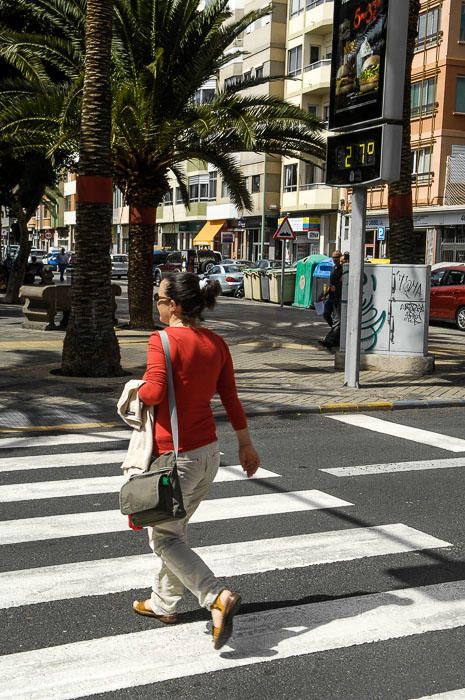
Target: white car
[{"x": 119, "y": 265}]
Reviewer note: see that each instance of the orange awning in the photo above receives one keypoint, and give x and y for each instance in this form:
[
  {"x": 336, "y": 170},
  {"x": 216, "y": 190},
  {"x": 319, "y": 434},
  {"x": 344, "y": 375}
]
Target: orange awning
[{"x": 208, "y": 232}]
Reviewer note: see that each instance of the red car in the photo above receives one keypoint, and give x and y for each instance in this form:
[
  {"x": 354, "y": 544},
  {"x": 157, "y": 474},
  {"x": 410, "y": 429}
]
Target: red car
[{"x": 448, "y": 295}]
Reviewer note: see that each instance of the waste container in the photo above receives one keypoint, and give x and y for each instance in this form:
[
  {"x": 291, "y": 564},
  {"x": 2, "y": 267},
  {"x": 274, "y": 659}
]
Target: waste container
[
  {"x": 303, "y": 287},
  {"x": 256, "y": 285},
  {"x": 265, "y": 286},
  {"x": 247, "y": 284},
  {"x": 274, "y": 277},
  {"x": 321, "y": 276}
]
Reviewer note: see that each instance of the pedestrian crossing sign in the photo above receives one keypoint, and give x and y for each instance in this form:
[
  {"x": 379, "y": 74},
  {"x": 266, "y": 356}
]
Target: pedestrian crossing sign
[{"x": 284, "y": 231}]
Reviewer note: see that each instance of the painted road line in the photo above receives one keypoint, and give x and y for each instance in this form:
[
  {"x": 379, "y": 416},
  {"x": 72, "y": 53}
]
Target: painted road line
[
  {"x": 79, "y": 524},
  {"x": 62, "y": 426},
  {"x": 107, "y": 664},
  {"x": 391, "y": 467},
  {"x": 103, "y": 484},
  {"x": 425, "y": 437},
  {"x": 55, "y": 461},
  {"x": 55, "y": 440},
  {"x": 104, "y": 576},
  {"x": 458, "y": 694}
]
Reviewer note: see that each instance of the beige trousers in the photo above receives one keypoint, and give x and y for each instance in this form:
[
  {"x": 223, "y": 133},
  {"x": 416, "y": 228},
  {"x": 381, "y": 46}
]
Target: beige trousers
[{"x": 177, "y": 567}]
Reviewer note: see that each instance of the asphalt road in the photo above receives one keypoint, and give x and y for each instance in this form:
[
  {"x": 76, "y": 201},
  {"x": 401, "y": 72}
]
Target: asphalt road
[{"x": 322, "y": 629}]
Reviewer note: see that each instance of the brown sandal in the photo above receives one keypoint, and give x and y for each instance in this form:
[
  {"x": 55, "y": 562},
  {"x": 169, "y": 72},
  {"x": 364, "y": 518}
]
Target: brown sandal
[
  {"x": 139, "y": 607},
  {"x": 228, "y": 609}
]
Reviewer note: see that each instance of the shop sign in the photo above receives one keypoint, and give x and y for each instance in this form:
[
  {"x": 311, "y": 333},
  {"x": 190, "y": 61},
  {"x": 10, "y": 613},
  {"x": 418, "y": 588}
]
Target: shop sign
[
  {"x": 303, "y": 224},
  {"x": 227, "y": 237}
]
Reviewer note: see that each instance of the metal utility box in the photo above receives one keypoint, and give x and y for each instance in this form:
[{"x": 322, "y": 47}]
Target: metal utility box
[{"x": 395, "y": 309}]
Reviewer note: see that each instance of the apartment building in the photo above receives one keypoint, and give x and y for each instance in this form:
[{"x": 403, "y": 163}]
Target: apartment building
[
  {"x": 438, "y": 139},
  {"x": 47, "y": 227},
  {"x": 312, "y": 206}
]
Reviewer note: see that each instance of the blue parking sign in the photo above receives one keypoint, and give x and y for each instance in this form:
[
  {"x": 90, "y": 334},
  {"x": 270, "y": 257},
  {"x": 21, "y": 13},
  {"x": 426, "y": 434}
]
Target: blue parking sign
[{"x": 381, "y": 235}]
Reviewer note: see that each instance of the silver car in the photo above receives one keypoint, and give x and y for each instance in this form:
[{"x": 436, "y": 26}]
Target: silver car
[
  {"x": 229, "y": 276},
  {"x": 119, "y": 265}
]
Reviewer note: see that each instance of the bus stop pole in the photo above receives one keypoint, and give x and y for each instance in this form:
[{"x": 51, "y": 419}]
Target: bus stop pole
[{"x": 355, "y": 295}]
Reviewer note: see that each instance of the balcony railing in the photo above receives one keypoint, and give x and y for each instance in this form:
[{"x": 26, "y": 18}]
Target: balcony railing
[
  {"x": 318, "y": 64},
  {"x": 314, "y": 3}
]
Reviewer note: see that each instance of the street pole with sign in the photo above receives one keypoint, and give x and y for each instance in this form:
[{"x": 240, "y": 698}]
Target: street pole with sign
[
  {"x": 366, "y": 102},
  {"x": 284, "y": 233}
]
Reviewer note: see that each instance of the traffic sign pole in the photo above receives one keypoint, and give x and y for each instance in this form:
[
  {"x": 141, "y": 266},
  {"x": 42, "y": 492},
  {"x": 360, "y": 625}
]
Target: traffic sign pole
[
  {"x": 355, "y": 296},
  {"x": 282, "y": 272}
]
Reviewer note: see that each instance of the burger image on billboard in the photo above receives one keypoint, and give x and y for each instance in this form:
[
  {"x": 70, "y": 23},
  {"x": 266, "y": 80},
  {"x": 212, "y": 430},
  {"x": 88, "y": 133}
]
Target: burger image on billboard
[
  {"x": 369, "y": 76},
  {"x": 345, "y": 80}
]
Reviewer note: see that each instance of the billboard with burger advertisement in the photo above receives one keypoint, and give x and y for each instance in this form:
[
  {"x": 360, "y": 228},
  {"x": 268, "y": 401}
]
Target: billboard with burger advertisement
[{"x": 369, "y": 46}]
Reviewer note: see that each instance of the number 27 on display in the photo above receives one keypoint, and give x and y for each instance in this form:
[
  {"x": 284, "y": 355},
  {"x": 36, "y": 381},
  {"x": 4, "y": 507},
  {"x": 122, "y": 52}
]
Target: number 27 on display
[{"x": 364, "y": 150}]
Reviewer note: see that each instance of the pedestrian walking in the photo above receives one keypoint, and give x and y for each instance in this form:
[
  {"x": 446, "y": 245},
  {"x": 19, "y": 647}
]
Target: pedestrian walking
[
  {"x": 334, "y": 302},
  {"x": 62, "y": 262},
  {"x": 202, "y": 366}
]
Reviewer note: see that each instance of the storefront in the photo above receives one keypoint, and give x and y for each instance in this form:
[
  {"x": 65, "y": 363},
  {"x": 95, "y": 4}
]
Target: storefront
[{"x": 440, "y": 233}]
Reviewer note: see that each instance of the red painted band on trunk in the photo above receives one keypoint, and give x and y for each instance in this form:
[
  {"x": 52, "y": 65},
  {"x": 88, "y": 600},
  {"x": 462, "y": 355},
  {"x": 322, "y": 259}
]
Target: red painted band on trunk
[
  {"x": 400, "y": 206},
  {"x": 142, "y": 215},
  {"x": 94, "y": 189}
]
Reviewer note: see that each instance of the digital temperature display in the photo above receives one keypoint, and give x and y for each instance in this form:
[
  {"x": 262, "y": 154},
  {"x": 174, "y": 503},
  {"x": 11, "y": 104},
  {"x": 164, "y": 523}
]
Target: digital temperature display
[{"x": 354, "y": 158}]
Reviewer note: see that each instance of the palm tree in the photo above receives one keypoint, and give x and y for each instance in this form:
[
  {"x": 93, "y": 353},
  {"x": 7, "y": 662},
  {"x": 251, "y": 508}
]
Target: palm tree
[
  {"x": 402, "y": 247},
  {"x": 90, "y": 346},
  {"x": 163, "y": 52}
]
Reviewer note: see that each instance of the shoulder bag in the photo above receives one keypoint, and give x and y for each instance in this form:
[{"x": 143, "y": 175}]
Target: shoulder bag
[{"x": 155, "y": 495}]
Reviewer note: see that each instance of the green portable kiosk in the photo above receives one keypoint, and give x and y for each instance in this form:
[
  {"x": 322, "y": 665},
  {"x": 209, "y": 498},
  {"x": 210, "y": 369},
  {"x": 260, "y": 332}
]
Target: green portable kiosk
[{"x": 303, "y": 282}]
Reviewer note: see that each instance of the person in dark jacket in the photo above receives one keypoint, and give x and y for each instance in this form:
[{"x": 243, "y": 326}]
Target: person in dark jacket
[{"x": 334, "y": 300}]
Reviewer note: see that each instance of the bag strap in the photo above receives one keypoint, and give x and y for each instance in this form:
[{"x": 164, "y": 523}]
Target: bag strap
[{"x": 171, "y": 395}]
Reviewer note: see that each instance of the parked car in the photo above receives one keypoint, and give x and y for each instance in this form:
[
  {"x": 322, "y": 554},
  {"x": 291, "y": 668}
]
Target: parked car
[
  {"x": 192, "y": 260},
  {"x": 448, "y": 295},
  {"x": 119, "y": 265},
  {"x": 230, "y": 277},
  {"x": 269, "y": 264},
  {"x": 39, "y": 254}
]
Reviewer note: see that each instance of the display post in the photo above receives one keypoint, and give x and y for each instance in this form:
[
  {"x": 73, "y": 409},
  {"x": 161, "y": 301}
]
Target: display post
[{"x": 354, "y": 302}]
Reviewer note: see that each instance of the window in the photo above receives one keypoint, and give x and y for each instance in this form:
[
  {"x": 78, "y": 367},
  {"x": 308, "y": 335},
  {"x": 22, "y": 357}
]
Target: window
[
  {"x": 68, "y": 202},
  {"x": 247, "y": 75},
  {"x": 212, "y": 182},
  {"x": 428, "y": 27},
  {"x": 259, "y": 72},
  {"x": 178, "y": 196},
  {"x": 203, "y": 96},
  {"x": 294, "y": 60},
  {"x": 453, "y": 277},
  {"x": 314, "y": 54},
  {"x": 232, "y": 81},
  {"x": 460, "y": 94},
  {"x": 436, "y": 277},
  {"x": 423, "y": 97},
  {"x": 168, "y": 198},
  {"x": 198, "y": 188},
  {"x": 421, "y": 163},
  {"x": 312, "y": 173},
  {"x": 224, "y": 190},
  {"x": 290, "y": 178},
  {"x": 313, "y": 110},
  {"x": 325, "y": 113},
  {"x": 462, "y": 23},
  {"x": 295, "y": 7},
  {"x": 255, "y": 185}
]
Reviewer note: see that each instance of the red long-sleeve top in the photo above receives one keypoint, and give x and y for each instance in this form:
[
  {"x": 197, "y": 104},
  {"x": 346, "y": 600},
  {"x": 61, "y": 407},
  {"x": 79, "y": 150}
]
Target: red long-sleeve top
[{"x": 202, "y": 367}]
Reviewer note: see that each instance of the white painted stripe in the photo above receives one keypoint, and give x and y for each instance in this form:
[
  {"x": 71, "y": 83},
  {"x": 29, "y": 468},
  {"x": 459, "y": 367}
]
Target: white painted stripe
[
  {"x": 105, "y": 576},
  {"x": 107, "y": 664},
  {"x": 76, "y": 438},
  {"x": 69, "y": 459},
  {"x": 451, "y": 695},
  {"x": 79, "y": 524},
  {"x": 391, "y": 467},
  {"x": 425, "y": 437},
  {"x": 103, "y": 484}
]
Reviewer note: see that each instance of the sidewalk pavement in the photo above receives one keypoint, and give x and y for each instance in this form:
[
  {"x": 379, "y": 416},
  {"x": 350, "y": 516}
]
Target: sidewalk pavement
[{"x": 280, "y": 368}]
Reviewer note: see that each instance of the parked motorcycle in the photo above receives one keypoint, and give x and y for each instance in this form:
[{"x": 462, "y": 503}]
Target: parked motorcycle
[{"x": 239, "y": 291}]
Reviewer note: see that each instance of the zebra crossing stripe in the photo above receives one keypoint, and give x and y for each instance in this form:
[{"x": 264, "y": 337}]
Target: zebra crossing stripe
[
  {"x": 103, "y": 484},
  {"x": 68, "y": 459},
  {"x": 392, "y": 467},
  {"x": 425, "y": 437},
  {"x": 451, "y": 695},
  {"x": 79, "y": 524},
  {"x": 103, "y": 576},
  {"x": 110, "y": 663},
  {"x": 69, "y": 439}
]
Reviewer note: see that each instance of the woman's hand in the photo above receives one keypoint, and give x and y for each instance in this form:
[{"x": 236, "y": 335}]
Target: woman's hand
[{"x": 249, "y": 459}]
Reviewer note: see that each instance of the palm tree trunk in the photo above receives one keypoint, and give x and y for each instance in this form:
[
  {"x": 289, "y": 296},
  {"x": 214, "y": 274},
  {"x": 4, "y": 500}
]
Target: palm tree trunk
[
  {"x": 140, "y": 276},
  {"x": 402, "y": 247},
  {"x": 91, "y": 348}
]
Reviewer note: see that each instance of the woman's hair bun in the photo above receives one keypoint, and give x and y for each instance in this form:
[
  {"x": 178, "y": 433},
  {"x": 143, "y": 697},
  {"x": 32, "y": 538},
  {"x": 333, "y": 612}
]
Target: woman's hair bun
[{"x": 210, "y": 291}]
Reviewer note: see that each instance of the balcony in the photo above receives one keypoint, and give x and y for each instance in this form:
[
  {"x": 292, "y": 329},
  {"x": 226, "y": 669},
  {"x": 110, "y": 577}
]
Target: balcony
[
  {"x": 319, "y": 15},
  {"x": 311, "y": 197},
  {"x": 317, "y": 77}
]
